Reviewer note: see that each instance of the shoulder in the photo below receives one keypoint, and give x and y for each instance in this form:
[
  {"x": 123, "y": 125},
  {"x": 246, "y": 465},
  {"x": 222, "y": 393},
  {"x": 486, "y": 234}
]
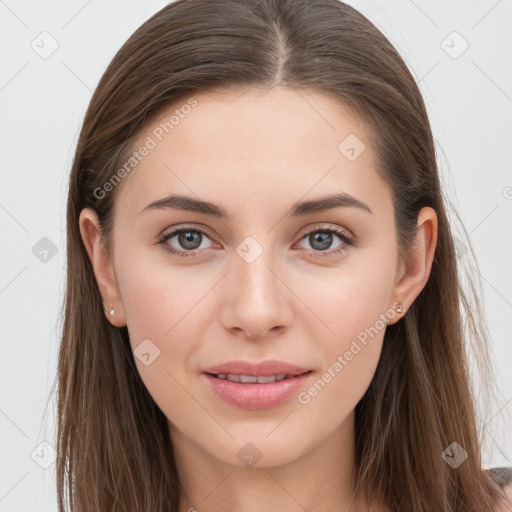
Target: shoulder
[
  {"x": 508, "y": 493},
  {"x": 507, "y": 506},
  {"x": 503, "y": 477}
]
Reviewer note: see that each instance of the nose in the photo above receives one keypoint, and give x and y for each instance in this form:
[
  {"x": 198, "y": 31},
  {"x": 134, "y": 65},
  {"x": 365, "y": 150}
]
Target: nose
[{"x": 258, "y": 300}]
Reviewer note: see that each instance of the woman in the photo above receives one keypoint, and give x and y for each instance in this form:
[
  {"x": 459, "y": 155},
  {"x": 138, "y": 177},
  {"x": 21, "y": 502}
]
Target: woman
[{"x": 263, "y": 306}]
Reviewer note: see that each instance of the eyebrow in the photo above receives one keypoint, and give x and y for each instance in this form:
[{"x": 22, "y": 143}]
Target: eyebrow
[{"x": 299, "y": 209}]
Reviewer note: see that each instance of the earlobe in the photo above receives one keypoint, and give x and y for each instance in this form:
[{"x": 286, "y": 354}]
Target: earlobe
[
  {"x": 419, "y": 262},
  {"x": 102, "y": 267}
]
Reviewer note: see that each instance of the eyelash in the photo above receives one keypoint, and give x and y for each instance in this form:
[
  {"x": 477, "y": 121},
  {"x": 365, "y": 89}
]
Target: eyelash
[{"x": 347, "y": 239}]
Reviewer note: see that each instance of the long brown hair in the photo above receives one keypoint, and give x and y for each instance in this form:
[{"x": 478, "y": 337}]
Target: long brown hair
[{"x": 113, "y": 449}]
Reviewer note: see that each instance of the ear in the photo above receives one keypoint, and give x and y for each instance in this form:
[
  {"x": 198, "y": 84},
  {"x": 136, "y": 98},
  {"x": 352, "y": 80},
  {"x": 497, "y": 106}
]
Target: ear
[
  {"x": 414, "y": 273},
  {"x": 102, "y": 266}
]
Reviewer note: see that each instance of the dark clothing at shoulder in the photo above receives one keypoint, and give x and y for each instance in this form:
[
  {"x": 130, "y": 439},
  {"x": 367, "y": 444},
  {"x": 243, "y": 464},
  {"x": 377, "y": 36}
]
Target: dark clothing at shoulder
[{"x": 502, "y": 476}]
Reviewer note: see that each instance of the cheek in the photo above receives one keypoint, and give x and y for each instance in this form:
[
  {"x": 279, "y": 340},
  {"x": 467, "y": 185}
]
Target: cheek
[
  {"x": 150, "y": 293},
  {"x": 350, "y": 355},
  {"x": 165, "y": 318},
  {"x": 162, "y": 337},
  {"x": 346, "y": 300},
  {"x": 163, "y": 315},
  {"x": 349, "y": 324}
]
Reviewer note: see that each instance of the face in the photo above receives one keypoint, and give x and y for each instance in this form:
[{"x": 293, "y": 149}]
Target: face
[{"x": 269, "y": 280}]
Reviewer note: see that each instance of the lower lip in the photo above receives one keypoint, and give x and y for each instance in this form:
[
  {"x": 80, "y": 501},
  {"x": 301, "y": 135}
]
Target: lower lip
[{"x": 256, "y": 396}]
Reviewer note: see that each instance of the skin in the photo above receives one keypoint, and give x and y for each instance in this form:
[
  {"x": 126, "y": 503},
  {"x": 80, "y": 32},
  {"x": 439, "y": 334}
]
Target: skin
[{"x": 255, "y": 155}]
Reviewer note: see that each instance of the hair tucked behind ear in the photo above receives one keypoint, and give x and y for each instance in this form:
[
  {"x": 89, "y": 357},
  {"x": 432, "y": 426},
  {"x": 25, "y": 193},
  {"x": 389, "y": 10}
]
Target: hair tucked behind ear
[{"x": 113, "y": 450}]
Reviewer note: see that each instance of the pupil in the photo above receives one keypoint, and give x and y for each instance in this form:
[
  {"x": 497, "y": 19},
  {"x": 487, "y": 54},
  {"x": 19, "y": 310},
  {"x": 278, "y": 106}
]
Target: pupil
[
  {"x": 187, "y": 239},
  {"x": 324, "y": 238}
]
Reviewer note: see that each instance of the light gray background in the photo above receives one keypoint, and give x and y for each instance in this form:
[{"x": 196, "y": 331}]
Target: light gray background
[{"x": 43, "y": 100}]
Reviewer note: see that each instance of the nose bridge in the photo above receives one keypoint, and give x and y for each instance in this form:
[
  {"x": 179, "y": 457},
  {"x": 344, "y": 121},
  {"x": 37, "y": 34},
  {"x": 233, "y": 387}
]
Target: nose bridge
[
  {"x": 257, "y": 301},
  {"x": 252, "y": 269}
]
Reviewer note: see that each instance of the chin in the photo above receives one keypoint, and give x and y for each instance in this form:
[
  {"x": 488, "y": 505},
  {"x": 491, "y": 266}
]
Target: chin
[{"x": 253, "y": 450}]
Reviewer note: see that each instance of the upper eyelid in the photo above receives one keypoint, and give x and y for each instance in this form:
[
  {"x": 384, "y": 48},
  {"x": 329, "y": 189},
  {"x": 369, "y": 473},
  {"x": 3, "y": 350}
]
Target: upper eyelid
[{"x": 173, "y": 231}]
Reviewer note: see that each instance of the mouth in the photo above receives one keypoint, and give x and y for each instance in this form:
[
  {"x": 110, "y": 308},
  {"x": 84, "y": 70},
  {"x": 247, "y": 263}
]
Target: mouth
[
  {"x": 256, "y": 379},
  {"x": 256, "y": 392}
]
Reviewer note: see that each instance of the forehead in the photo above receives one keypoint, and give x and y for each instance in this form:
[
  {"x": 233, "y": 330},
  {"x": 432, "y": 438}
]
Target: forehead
[{"x": 253, "y": 148}]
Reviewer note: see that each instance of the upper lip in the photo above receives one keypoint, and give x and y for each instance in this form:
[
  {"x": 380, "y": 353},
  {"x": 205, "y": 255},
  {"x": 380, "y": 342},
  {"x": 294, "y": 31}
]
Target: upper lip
[{"x": 262, "y": 369}]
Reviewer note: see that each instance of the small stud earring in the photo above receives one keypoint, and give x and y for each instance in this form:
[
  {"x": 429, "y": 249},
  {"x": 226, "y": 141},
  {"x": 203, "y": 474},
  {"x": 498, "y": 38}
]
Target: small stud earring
[
  {"x": 111, "y": 312},
  {"x": 398, "y": 309}
]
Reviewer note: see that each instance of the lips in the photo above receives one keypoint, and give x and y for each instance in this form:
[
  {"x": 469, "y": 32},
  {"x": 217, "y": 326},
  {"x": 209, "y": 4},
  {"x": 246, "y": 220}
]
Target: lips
[
  {"x": 262, "y": 369},
  {"x": 256, "y": 385}
]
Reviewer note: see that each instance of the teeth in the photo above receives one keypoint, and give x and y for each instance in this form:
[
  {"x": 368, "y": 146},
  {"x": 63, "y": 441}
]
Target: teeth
[
  {"x": 248, "y": 378},
  {"x": 252, "y": 379}
]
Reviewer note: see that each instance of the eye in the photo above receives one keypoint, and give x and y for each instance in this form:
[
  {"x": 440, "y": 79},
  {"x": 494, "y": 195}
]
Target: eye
[
  {"x": 187, "y": 237},
  {"x": 320, "y": 239},
  {"x": 190, "y": 240}
]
